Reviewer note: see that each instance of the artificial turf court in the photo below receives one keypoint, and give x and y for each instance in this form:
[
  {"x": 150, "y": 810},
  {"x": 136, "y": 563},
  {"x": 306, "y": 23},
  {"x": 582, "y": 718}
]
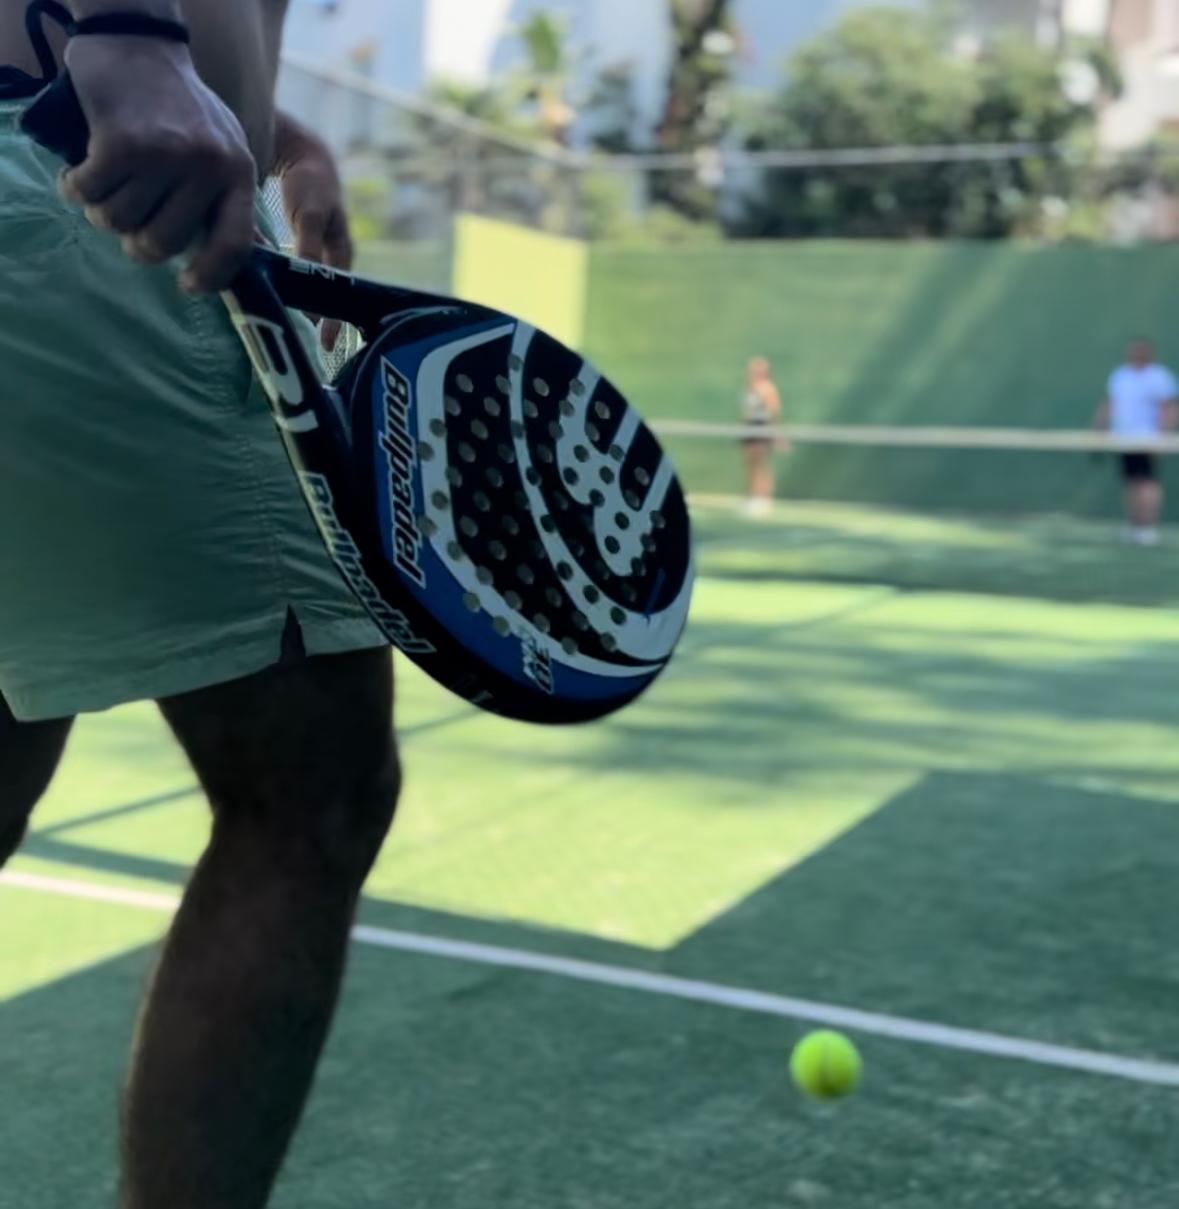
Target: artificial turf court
[{"x": 921, "y": 768}]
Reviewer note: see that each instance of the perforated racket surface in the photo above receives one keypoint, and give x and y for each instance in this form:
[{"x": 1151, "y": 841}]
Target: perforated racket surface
[{"x": 494, "y": 502}]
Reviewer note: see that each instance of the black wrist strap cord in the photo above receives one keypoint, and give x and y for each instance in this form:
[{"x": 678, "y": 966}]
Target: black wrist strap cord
[
  {"x": 14, "y": 82},
  {"x": 136, "y": 24}
]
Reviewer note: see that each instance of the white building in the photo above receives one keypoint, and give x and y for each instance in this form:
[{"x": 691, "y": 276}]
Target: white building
[
  {"x": 1145, "y": 35},
  {"x": 407, "y": 43}
]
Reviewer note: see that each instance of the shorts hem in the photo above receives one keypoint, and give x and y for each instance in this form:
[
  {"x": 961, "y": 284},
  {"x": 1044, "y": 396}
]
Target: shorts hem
[
  {"x": 198, "y": 668},
  {"x": 1139, "y": 467}
]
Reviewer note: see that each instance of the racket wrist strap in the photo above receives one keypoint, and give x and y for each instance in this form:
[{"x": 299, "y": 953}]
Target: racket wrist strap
[
  {"x": 119, "y": 24},
  {"x": 130, "y": 24}
]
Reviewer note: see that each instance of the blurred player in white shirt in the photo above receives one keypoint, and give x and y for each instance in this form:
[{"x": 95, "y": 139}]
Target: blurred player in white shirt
[{"x": 1142, "y": 400}]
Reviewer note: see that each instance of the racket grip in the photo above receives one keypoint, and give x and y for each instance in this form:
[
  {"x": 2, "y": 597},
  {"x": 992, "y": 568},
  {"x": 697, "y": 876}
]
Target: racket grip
[{"x": 55, "y": 120}]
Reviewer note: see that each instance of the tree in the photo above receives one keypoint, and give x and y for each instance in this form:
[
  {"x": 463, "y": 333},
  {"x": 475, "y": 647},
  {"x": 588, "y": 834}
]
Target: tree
[
  {"x": 531, "y": 99},
  {"x": 473, "y": 147},
  {"x": 610, "y": 112},
  {"x": 700, "y": 67},
  {"x": 475, "y": 170},
  {"x": 695, "y": 114},
  {"x": 532, "y": 104},
  {"x": 889, "y": 76},
  {"x": 548, "y": 69}
]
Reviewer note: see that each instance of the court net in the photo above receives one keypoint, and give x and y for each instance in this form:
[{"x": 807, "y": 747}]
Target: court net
[{"x": 957, "y": 471}]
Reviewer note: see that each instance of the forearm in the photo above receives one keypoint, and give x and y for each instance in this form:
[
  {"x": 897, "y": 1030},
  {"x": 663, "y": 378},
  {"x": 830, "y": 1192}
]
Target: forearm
[{"x": 291, "y": 140}]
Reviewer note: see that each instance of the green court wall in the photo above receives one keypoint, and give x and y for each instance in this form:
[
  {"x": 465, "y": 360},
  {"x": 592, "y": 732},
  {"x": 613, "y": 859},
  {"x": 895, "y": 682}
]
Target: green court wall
[{"x": 887, "y": 333}]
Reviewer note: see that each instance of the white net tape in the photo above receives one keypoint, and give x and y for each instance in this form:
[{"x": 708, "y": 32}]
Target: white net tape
[{"x": 914, "y": 437}]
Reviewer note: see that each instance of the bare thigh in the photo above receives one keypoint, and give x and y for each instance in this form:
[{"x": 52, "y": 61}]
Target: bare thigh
[{"x": 29, "y": 755}]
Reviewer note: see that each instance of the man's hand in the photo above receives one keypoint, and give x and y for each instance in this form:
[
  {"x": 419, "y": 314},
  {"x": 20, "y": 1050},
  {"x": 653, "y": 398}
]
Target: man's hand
[
  {"x": 169, "y": 167},
  {"x": 313, "y": 199}
]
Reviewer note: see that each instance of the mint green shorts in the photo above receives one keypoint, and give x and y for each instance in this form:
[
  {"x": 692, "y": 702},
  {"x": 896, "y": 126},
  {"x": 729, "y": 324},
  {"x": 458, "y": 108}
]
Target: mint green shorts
[{"x": 153, "y": 539}]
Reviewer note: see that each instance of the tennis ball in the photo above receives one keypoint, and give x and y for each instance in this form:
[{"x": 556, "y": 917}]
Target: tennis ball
[{"x": 826, "y": 1065}]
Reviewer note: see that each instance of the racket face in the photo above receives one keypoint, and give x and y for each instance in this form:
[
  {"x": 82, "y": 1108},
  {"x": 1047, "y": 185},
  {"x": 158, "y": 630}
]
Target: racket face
[{"x": 524, "y": 506}]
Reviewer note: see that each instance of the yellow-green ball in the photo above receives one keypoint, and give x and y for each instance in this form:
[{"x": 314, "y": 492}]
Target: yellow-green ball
[{"x": 826, "y": 1065}]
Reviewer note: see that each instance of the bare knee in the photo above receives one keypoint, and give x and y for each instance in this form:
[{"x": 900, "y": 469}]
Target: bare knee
[
  {"x": 329, "y": 835},
  {"x": 353, "y": 835}
]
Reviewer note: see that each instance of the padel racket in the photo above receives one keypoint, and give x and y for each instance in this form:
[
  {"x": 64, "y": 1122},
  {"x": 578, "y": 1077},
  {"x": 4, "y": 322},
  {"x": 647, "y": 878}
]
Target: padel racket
[{"x": 495, "y": 504}]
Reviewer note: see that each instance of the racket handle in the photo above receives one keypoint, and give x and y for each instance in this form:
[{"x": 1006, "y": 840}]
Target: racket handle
[
  {"x": 297, "y": 394},
  {"x": 56, "y": 121}
]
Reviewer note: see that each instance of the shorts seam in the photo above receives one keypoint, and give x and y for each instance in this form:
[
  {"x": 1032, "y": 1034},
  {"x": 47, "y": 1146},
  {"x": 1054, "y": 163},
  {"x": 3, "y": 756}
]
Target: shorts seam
[{"x": 243, "y": 395}]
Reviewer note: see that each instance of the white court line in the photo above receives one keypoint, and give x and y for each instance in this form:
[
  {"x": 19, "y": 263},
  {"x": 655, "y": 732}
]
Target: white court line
[
  {"x": 921, "y": 1032},
  {"x": 91, "y": 891}
]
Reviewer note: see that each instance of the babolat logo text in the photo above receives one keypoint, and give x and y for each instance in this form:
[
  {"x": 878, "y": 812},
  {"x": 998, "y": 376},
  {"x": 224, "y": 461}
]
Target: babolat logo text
[
  {"x": 538, "y": 666},
  {"x": 399, "y": 443},
  {"x": 347, "y": 558}
]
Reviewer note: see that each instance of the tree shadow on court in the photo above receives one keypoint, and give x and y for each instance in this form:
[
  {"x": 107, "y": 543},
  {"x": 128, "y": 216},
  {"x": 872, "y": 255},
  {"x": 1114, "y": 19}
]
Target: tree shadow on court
[
  {"x": 995, "y": 902},
  {"x": 1051, "y": 561},
  {"x": 751, "y": 704}
]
